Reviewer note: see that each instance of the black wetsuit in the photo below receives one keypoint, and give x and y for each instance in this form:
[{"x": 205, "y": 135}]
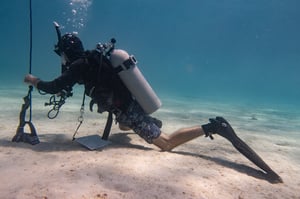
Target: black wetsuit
[
  {"x": 101, "y": 83},
  {"x": 107, "y": 90}
]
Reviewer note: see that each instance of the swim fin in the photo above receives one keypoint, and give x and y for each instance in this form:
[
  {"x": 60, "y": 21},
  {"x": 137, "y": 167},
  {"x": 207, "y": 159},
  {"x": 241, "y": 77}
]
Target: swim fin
[{"x": 223, "y": 128}]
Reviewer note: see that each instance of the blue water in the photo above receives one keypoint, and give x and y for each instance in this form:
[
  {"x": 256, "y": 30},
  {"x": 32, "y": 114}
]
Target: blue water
[
  {"x": 204, "y": 58},
  {"x": 233, "y": 53}
]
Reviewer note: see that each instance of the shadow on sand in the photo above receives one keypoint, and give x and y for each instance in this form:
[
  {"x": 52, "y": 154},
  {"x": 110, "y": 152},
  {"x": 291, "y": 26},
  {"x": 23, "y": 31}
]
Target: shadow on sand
[
  {"x": 242, "y": 168},
  {"x": 61, "y": 142}
]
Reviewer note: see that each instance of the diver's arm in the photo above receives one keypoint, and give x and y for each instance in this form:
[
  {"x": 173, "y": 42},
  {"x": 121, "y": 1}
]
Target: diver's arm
[
  {"x": 68, "y": 78},
  {"x": 52, "y": 87}
]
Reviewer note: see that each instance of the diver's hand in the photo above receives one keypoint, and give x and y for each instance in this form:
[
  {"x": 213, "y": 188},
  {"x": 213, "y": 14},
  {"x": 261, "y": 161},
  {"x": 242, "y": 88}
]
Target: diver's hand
[{"x": 31, "y": 80}]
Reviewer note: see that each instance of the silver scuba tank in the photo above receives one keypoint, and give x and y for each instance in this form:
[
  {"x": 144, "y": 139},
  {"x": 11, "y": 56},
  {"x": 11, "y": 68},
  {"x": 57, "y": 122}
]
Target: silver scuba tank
[{"x": 134, "y": 80}]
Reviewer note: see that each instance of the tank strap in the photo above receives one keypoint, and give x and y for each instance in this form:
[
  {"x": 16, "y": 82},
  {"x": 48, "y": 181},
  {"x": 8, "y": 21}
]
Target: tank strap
[{"x": 131, "y": 61}]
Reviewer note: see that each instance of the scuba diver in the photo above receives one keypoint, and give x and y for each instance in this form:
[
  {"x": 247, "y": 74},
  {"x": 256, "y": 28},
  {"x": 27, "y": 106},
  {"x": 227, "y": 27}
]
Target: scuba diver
[
  {"x": 111, "y": 94},
  {"x": 100, "y": 73}
]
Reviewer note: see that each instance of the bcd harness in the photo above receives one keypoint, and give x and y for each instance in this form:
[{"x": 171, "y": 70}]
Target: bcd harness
[{"x": 99, "y": 55}]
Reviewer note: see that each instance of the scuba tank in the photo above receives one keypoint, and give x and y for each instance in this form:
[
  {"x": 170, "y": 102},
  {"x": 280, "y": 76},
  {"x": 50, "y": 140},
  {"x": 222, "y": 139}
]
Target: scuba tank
[{"x": 126, "y": 67}]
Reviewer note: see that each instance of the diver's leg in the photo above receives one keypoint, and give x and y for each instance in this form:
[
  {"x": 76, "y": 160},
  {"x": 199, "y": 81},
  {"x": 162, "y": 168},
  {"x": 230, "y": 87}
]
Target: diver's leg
[
  {"x": 167, "y": 142},
  {"x": 123, "y": 127}
]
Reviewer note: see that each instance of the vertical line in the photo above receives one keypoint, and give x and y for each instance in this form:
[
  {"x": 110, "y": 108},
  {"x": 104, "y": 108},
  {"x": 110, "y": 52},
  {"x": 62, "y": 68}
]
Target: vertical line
[
  {"x": 30, "y": 36},
  {"x": 30, "y": 55}
]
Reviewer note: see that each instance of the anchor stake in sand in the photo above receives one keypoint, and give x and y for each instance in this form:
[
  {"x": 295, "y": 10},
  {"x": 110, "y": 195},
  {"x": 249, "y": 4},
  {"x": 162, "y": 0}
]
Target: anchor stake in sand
[{"x": 21, "y": 136}]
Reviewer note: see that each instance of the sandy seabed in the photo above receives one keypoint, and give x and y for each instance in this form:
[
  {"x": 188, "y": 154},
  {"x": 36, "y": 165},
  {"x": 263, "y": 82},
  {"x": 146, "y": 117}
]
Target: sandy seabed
[{"x": 132, "y": 169}]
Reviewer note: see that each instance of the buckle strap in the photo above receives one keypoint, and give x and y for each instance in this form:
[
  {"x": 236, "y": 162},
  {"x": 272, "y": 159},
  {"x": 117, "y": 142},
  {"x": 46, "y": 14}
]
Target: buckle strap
[{"x": 126, "y": 65}]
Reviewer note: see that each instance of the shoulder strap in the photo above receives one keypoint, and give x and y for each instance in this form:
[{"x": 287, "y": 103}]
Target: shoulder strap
[{"x": 109, "y": 120}]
